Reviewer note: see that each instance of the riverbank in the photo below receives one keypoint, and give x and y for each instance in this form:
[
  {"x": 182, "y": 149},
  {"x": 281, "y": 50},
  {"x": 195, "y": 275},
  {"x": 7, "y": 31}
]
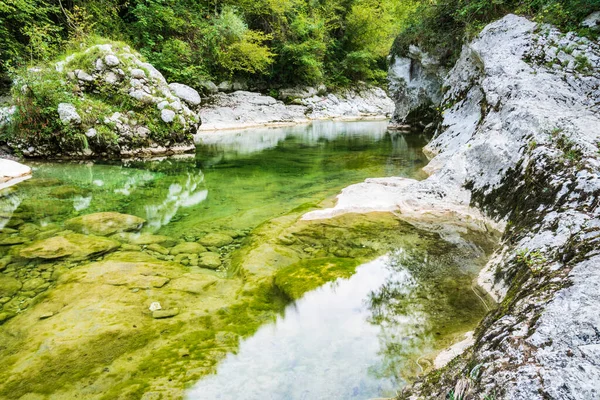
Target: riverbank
[
  {"x": 242, "y": 109},
  {"x": 519, "y": 140}
]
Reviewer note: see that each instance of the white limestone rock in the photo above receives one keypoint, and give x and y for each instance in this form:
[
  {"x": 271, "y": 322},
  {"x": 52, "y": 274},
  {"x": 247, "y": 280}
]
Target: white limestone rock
[
  {"x": 11, "y": 173},
  {"x": 68, "y": 113},
  {"x": 167, "y": 115},
  {"x": 111, "y": 60},
  {"x": 185, "y": 93}
]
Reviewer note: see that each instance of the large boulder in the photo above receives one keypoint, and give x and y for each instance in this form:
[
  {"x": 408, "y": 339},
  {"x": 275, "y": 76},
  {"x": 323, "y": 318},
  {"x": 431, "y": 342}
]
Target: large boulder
[
  {"x": 105, "y": 223},
  {"x": 108, "y": 103},
  {"x": 186, "y": 93}
]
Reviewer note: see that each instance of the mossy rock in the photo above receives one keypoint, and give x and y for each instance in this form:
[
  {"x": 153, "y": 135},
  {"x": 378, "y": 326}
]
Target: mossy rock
[
  {"x": 46, "y": 207},
  {"x": 216, "y": 240},
  {"x": 209, "y": 260},
  {"x": 74, "y": 246},
  {"x": 105, "y": 223},
  {"x": 188, "y": 248},
  {"x": 144, "y": 239},
  {"x": 8, "y": 286}
]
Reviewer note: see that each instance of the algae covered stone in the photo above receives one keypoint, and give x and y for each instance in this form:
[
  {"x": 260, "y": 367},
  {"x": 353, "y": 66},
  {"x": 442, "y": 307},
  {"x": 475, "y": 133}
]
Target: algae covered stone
[
  {"x": 188, "y": 248},
  {"x": 8, "y": 286},
  {"x": 105, "y": 223},
  {"x": 216, "y": 240},
  {"x": 209, "y": 260},
  {"x": 74, "y": 246}
]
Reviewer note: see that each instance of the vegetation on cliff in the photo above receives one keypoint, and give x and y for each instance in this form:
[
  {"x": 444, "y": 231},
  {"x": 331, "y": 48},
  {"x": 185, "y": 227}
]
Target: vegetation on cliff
[{"x": 440, "y": 27}]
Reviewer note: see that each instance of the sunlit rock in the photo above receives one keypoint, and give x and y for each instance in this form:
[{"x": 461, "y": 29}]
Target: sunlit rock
[
  {"x": 216, "y": 240},
  {"x": 74, "y": 246},
  {"x": 105, "y": 223}
]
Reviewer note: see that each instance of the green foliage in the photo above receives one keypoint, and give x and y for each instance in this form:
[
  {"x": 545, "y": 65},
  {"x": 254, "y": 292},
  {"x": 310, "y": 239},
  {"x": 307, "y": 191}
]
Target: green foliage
[
  {"x": 274, "y": 42},
  {"x": 440, "y": 27}
]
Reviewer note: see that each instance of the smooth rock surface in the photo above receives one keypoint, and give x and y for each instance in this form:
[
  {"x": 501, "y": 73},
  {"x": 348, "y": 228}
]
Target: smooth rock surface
[
  {"x": 243, "y": 109},
  {"x": 12, "y": 172},
  {"x": 185, "y": 93},
  {"x": 105, "y": 223}
]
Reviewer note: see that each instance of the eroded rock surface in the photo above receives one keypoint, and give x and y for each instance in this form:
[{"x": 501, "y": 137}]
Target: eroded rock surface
[{"x": 519, "y": 138}]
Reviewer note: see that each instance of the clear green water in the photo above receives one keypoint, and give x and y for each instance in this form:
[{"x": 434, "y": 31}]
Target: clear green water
[
  {"x": 236, "y": 181},
  {"x": 237, "y": 337}
]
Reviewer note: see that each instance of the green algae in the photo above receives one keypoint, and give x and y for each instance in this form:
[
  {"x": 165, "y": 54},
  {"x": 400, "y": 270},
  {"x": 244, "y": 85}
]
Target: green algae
[{"x": 307, "y": 275}]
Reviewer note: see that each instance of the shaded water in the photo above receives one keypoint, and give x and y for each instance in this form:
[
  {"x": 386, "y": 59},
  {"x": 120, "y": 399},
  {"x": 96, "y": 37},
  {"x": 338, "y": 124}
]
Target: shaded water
[{"x": 355, "y": 338}]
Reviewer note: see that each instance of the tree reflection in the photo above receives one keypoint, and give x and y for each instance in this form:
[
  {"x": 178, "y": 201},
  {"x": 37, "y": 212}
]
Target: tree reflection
[{"x": 422, "y": 306}]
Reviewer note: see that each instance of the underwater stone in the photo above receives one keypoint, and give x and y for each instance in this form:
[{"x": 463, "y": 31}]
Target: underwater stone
[
  {"x": 8, "y": 286},
  {"x": 155, "y": 306},
  {"x": 73, "y": 245},
  {"x": 105, "y": 223},
  {"x": 162, "y": 314},
  {"x": 209, "y": 260},
  {"x": 216, "y": 240},
  {"x": 33, "y": 284},
  {"x": 158, "y": 248},
  {"x": 188, "y": 248}
]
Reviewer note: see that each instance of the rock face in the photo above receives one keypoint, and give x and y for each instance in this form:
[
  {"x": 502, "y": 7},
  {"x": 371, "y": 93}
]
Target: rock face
[
  {"x": 242, "y": 109},
  {"x": 415, "y": 82},
  {"x": 519, "y": 139},
  {"x": 112, "y": 104}
]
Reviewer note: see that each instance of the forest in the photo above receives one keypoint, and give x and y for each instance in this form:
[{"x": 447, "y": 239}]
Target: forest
[{"x": 270, "y": 43}]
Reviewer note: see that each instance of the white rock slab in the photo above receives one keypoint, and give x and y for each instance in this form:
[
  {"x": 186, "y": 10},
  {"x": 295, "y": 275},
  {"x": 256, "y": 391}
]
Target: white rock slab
[{"x": 11, "y": 173}]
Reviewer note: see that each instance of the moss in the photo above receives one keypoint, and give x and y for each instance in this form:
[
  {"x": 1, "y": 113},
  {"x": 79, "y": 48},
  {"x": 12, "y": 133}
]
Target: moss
[
  {"x": 307, "y": 275},
  {"x": 70, "y": 365}
]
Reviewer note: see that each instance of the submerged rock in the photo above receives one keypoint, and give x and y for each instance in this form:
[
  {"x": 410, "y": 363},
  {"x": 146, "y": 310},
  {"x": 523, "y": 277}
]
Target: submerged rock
[
  {"x": 209, "y": 260},
  {"x": 216, "y": 240},
  {"x": 162, "y": 314},
  {"x": 74, "y": 246},
  {"x": 105, "y": 223},
  {"x": 188, "y": 248},
  {"x": 8, "y": 286}
]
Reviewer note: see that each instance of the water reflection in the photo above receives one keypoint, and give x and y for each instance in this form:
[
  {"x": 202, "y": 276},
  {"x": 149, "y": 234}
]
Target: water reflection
[
  {"x": 237, "y": 180},
  {"x": 244, "y": 142},
  {"x": 357, "y": 338}
]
